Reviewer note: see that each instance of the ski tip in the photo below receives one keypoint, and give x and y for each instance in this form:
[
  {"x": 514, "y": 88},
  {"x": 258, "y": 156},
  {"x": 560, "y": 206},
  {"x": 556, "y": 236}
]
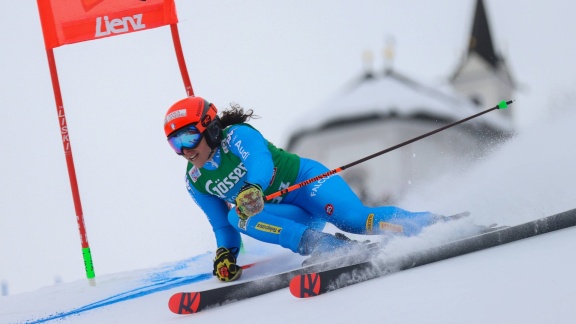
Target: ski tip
[
  {"x": 306, "y": 285},
  {"x": 248, "y": 266},
  {"x": 184, "y": 303}
]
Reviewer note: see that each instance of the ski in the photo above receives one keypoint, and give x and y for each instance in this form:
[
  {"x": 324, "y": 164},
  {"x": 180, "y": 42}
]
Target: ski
[
  {"x": 320, "y": 282},
  {"x": 193, "y": 302}
]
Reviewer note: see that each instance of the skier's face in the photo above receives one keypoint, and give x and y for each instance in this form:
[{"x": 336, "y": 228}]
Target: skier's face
[{"x": 198, "y": 155}]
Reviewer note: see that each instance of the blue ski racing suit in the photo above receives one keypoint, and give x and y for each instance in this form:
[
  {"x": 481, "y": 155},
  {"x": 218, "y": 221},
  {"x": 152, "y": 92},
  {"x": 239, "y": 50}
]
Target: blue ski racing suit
[{"x": 245, "y": 156}]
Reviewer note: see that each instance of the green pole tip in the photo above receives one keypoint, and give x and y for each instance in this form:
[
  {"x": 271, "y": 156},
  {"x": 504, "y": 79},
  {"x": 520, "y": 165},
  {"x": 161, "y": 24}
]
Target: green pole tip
[
  {"x": 88, "y": 264},
  {"x": 504, "y": 104}
]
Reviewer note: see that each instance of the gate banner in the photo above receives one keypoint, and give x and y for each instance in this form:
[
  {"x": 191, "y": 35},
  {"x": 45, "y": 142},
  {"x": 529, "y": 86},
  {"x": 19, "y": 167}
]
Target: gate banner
[{"x": 72, "y": 21}]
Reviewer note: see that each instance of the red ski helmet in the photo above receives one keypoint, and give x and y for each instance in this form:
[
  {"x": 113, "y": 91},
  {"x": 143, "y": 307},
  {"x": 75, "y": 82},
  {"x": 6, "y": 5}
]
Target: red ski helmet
[
  {"x": 189, "y": 111},
  {"x": 196, "y": 114}
]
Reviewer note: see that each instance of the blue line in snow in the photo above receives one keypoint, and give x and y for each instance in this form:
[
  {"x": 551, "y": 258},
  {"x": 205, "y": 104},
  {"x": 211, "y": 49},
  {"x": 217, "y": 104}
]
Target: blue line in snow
[{"x": 160, "y": 281}]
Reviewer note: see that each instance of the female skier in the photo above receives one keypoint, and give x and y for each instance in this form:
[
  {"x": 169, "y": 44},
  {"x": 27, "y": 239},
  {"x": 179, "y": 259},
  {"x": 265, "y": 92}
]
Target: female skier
[{"x": 230, "y": 162}]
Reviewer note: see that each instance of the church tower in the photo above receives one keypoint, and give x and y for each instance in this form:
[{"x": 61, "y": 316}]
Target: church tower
[{"x": 482, "y": 76}]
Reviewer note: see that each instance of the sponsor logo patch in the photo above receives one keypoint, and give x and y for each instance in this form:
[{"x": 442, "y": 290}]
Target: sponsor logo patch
[
  {"x": 317, "y": 186},
  {"x": 106, "y": 26},
  {"x": 221, "y": 186},
  {"x": 194, "y": 174},
  {"x": 175, "y": 114},
  {"x": 370, "y": 223},
  {"x": 242, "y": 224},
  {"x": 243, "y": 153},
  {"x": 206, "y": 120},
  {"x": 224, "y": 146},
  {"x": 390, "y": 227},
  {"x": 268, "y": 228},
  {"x": 329, "y": 209}
]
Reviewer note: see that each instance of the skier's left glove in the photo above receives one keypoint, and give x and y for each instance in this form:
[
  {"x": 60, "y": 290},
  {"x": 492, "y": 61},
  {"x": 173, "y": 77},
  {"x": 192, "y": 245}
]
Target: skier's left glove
[
  {"x": 225, "y": 267},
  {"x": 250, "y": 201}
]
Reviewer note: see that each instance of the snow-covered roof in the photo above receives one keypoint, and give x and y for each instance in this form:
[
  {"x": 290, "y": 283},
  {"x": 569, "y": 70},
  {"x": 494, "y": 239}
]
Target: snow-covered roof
[{"x": 392, "y": 94}]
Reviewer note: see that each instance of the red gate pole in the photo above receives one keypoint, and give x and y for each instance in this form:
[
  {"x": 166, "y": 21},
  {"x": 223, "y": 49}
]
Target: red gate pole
[
  {"x": 181, "y": 62},
  {"x": 88, "y": 264}
]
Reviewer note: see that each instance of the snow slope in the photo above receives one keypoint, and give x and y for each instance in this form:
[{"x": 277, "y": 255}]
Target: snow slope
[
  {"x": 529, "y": 281},
  {"x": 500, "y": 285}
]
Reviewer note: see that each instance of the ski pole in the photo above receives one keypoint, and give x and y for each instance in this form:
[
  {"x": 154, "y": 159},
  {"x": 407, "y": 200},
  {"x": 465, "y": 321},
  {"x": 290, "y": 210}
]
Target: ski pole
[{"x": 501, "y": 105}]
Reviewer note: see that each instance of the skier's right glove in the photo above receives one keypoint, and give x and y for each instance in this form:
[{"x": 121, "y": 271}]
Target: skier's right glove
[
  {"x": 250, "y": 201},
  {"x": 225, "y": 267}
]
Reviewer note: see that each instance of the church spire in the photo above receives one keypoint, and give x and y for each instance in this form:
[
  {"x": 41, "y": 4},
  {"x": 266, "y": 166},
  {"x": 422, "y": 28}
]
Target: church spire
[
  {"x": 481, "y": 39},
  {"x": 483, "y": 76}
]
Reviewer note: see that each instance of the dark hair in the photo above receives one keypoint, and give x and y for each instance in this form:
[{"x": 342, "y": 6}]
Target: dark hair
[{"x": 236, "y": 115}]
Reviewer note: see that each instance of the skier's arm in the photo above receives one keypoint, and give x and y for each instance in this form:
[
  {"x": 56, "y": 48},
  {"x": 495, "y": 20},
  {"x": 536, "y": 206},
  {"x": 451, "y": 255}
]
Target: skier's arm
[
  {"x": 252, "y": 148},
  {"x": 216, "y": 211}
]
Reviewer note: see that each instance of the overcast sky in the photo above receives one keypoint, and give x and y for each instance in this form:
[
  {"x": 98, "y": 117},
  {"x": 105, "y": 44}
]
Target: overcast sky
[{"x": 281, "y": 58}]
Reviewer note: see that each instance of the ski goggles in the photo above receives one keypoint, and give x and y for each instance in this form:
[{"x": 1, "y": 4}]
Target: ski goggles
[{"x": 188, "y": 137}]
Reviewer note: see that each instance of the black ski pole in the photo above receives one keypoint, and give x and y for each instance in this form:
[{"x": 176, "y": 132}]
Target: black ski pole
[{"x": 501, "y": 105}]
